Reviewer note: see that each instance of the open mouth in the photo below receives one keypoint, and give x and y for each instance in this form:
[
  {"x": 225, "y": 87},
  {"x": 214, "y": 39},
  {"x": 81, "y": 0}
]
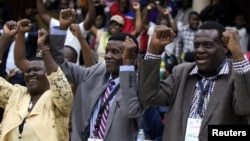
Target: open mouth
[
  {"x": 32, "y": 81},
  {"x": 113, "y": 30},
  {"x": 201, "y": 59},
  {"x": 108, "y": 63}
]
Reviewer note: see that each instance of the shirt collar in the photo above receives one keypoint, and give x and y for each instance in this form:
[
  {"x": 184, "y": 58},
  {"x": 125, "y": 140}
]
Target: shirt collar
[
  {"x": 224, "y": 69},
  {"x": 116, "y": 80}
]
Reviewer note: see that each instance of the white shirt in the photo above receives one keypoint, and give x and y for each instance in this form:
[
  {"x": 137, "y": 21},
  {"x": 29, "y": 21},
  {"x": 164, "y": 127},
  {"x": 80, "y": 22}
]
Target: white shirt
[{"x": 70, "y": 39}]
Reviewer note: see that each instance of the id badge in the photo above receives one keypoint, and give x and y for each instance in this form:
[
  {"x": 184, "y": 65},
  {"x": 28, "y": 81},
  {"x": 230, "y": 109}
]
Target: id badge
[
  {"x": 90, "y": 139},
  {"x": 193, "y": 129}
]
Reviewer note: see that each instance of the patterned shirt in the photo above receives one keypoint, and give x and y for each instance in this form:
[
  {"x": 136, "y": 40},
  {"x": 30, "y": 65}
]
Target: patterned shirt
[
  {"x": 240, "y": 67},
  {"x": 185, "y": 42},
  {"x": 50, "y": 115}
]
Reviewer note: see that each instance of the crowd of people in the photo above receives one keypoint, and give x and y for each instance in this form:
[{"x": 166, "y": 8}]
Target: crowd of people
[{"x": 89, "y": 70}]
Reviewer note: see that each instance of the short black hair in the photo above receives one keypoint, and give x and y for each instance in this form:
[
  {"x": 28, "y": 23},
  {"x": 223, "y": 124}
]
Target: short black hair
[
  {"x": 193, "y": 13},
  {"x": 213, "y": 25},
  {"x": 73, "y": 50},
  {"x": 122, "y": 37}
]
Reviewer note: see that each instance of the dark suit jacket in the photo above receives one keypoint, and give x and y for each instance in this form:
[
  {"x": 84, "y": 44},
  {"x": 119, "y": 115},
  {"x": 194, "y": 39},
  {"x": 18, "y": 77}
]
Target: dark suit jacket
[
  {"x": 229, "y": 102},
  {"x": 123, "y": 117}
]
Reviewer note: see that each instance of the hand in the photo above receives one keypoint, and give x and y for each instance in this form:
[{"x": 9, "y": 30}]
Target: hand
[
  {"x": 162, "y": 36},
  {"x": 12, "y": 73},
  {"x": 10, "y": 28},
  {"x": 75, "y": 29},
  {"x": 25, "y": 25},
  {"x": 150, "y": 6},
  {"x": 165, "y": 11},
  {"x": 129, "y": 47},
  {"x": 66, "y": 18},
  {"x": 136, "y": 5},
  {"x": 98, "y": 2},
  {"x": 42, "y": 38},
  {"x": 232, "y": 41}
]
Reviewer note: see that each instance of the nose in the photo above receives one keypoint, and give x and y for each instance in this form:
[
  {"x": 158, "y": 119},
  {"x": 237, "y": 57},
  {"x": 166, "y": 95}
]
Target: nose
[
  {"x": 31, "y": 73},
  {"x": 199, "y": 49},
  {"x": 108, "y": 55}
]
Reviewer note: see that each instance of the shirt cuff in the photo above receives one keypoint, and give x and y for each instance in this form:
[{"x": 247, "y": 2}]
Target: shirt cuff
[
  {"x": 55, "y": 30},
  {"x": 149, "y": 56},
  {"x": 242, "y": 66},
  {"x": 127, "y": 68}
]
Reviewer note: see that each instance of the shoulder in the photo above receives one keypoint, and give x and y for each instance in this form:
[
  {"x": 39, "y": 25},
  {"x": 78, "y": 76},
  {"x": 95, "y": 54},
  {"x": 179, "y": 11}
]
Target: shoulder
[
  {"x": 184, "y": 67},
  {"x": 98, "y": 68}
]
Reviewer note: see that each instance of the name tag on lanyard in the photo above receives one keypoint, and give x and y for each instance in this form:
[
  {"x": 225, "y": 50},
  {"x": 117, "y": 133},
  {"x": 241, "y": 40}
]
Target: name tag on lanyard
[
  {"x": 193, "y": 129},
  {"x": 90, "y": 139}
]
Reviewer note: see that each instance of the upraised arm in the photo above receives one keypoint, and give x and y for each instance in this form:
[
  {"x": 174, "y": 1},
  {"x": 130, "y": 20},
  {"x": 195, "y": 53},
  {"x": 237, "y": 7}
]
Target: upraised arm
[
  {"x": 9, "y": 32},
  {"x": 43, "y": 51},
  {"x": 129, "y": 51},
  {"x": 232, "y": 43},
  {"x": 168, "y": 15},
  {"x": 128, "y": 79},
  {"x": 90, "y": 17},
  {"x": 42, "y": 12},
  {"x": 145, "y": 12},
  {"x": 162, "y": 36},
  {"x": 88, "y": 56},
  {"x": 138, "y": 19},
  {"x": 21, "y": 62},
  {"x": 67, "y": 17}
]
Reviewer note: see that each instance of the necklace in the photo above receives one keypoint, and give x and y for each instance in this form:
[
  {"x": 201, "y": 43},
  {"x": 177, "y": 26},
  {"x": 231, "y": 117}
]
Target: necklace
[{"x": 31, "y": 105}]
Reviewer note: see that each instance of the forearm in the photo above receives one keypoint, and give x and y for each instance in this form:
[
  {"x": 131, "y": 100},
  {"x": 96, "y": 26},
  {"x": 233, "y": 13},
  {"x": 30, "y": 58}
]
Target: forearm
[
  {"x": 88, "y": 56},
  {"x": 90, "y": 18},
  {"x": 5, "y": 92},
  {"x": 150, "y": 89},
  {"x": 61, "y": 91},
  {"x": 145, "y": 20},
  {"x": 42, "y": 12},
  {"x": 138, "y": 23},
  {"x": 4, "y": 42},
  {"x": 56, "y": 44},
  {"x": 19, "y": 52},
  {"x": 49, "y": 62},
  {"x": 242, "y": 85},
  {"x": 242, "y": 93},
  {"x": 130, "y": 101},
  {"x": 172, "y": 22}
]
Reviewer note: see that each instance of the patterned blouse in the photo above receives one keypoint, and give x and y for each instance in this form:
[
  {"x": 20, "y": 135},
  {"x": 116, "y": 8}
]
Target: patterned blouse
[{"x": 48, "y": 120}]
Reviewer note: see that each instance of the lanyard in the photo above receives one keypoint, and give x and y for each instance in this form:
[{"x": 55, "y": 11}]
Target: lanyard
[
  {"x": 204, "y": 92},
  {"x": 21, "y": 129}
]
